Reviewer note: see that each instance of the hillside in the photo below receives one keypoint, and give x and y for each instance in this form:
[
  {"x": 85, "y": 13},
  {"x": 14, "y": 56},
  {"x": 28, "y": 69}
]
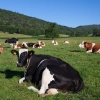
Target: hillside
[{"x": 13, "y": 22}]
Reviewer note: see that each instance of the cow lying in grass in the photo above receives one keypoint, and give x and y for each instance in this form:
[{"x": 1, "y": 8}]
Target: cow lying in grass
[
  {"x": 90, "y": 47},
  {"x": 51, "y": 75}
]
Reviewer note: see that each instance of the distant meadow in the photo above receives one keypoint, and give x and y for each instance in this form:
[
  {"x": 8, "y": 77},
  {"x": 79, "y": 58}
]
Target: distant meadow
[{"x": 88, "y": 65}]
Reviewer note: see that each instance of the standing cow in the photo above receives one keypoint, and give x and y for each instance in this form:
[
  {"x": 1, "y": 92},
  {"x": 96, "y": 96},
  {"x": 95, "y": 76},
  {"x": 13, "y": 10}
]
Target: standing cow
[
  {"x": 51, "y": 75},
  {"x": 12, "y": 41}
]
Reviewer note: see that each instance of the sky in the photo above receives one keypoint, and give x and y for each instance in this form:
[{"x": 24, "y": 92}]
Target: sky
[{"x": 71, "y": 13}]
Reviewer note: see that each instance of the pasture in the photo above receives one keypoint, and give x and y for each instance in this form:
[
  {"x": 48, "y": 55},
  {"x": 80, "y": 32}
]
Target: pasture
[{"x": 88, "y": 65}]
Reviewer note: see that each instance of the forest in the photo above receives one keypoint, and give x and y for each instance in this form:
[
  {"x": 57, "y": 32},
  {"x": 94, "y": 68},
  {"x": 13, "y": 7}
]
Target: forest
[{"x": 14, "y": 22}]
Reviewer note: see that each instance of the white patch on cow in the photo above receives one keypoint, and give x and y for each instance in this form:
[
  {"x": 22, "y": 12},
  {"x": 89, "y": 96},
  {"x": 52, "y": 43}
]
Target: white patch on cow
[
  {"x": 11, "y": 45},
  {"x": 91, "y": 48},
  {"x": 22, "y": 50},
  {"x": 52, "y": 41},
  {"x": 25, "y": 44},
  {"x": 15, "y": 46},
  {"x": 66, "y": 42},
  {"x": 89, "y": 51},
  {"x": 33, "y": 88},
  {"x": 46, "y": 79},
  {"x": 81, "y": 45},
  {"x": 16, "y": 42},
  {"x": 21, "y": 80},
  {"x": 93, "y": 44},
  {"x": 98, "y": 51}
]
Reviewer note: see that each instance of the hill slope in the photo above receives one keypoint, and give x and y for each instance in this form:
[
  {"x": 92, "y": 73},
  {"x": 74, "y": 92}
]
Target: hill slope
[{"x": 13, "y": 22}]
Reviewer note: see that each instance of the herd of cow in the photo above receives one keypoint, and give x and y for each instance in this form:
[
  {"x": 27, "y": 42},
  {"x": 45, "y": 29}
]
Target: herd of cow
[{"x": 51, "y": 75}]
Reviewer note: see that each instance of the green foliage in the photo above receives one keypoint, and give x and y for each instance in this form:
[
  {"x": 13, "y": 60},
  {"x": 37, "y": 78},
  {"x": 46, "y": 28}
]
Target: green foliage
[
  {"x": 52, "y": 31},
  {"x": 96, "y": 32},
  {"x": 13, "y": 22}
]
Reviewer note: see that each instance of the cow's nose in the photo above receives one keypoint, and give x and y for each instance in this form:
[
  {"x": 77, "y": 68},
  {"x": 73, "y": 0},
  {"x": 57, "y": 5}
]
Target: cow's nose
[{"x": 19, "y": 64}]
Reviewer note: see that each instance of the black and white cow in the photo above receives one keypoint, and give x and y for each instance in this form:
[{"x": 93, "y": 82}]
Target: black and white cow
[
  {"x": 51, "y": 75},
  {"x": 12, "y": 41}
]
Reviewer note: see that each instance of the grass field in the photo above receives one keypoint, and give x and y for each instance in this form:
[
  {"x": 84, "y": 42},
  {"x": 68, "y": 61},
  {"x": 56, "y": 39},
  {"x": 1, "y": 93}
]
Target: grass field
[{"x": 88, "y": 65}]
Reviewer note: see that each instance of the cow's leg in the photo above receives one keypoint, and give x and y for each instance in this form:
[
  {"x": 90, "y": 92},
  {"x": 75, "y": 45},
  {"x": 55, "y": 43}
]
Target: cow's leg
[
  {"x": 89, "y": 51},
  {"x": 51, "y": 91},
  {"x": 33, "y": 88},
  {"x": 47, "y": 77},
  {"x": 21, "y": 80}
]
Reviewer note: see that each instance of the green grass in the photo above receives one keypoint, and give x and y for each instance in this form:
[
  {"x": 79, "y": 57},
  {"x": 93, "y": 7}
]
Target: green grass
[{"x": 88, "y": 65}]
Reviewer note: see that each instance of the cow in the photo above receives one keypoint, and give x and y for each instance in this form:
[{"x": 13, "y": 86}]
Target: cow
[
  {"x": 66, "y": 42},
  {"x": 12, "y": 41},
  {"x": 51, "y": 75},
  {"x": 1, "y": 49},
  {"x": 54, "y": 42},
  {"x": 28, "y": 44},
  {"x": 37, "y": 45},
  {"x": 34, "y": 45},
  {"x": 41, "y": 43},
  {"x": 90, "y": 47},
  {"x": 17, "y": 46}
]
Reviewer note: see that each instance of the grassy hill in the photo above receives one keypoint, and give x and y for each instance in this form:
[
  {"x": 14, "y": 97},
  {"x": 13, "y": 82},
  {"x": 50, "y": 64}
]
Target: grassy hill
[{"x": 14, "y": 22}]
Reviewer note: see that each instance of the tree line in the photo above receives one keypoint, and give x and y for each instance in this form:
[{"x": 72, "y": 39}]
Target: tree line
[{"x": 13, "y": 22}]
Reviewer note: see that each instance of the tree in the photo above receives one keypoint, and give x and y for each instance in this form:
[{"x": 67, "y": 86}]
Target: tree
[
  {"x": 96, "y": 32},
  {"x": 51, "y": 31}
]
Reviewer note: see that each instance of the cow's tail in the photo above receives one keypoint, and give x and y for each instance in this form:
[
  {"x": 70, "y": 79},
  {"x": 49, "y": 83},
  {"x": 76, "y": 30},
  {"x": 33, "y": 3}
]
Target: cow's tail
[{"x": 79, "y": 85}]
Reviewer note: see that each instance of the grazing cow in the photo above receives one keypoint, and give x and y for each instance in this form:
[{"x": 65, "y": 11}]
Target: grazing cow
[
  {"x": 90, "y": 47},
  {"x": 1, "y": 49},
  {"x": 51, "y": 75},
  {"x": 66, "y": 42},
  {"x": 12, "y": 41},
  {"x": 54, "y": 42}
]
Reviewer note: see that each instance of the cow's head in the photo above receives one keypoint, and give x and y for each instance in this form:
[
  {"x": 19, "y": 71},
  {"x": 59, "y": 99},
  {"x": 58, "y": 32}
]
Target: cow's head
[
  {"x": 6, "y": 41},
  {"x": 81, "y": 45},
  {"x": 23, "y": 55}
]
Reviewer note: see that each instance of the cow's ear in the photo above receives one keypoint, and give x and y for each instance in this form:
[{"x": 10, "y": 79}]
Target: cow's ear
[
  {"x": 30, "y": 53},
  {"x": 14, "y": 52}
]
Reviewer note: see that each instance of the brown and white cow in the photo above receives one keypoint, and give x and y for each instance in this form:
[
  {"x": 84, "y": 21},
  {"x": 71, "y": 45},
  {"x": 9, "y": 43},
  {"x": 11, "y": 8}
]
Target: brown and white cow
[
  {"x": 1, "y": 49},
  {"x": 90, "y": 47},
  {"x": 33, "y": 45},
  {"x": 37, "y": 45},
  {"x": 66, "y": 42},
  {"x": 17, "y": 46},
  {"x": 41, "y": 43},
  {"x": 54, "y": 42}
]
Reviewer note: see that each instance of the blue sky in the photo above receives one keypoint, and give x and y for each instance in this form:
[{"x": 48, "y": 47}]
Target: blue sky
[{"x": 71, "y": 13}]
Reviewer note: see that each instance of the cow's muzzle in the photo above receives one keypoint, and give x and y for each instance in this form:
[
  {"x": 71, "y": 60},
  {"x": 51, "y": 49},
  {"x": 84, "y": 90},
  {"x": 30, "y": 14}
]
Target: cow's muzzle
[{"x": 19, "y": 65}]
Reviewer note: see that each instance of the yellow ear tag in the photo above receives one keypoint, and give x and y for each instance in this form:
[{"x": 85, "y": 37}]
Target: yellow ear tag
[{"x": 14, "y": 53}]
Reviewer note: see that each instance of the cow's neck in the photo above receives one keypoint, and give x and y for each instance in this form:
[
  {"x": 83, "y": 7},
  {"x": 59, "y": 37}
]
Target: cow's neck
[{"x": 28, "y": 63}]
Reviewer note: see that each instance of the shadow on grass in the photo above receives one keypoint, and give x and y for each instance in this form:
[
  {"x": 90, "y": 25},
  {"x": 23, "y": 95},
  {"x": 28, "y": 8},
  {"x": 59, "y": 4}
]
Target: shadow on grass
[
  {"x": 76, "y": 51},
  {"x": 10, "y": 73}
]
